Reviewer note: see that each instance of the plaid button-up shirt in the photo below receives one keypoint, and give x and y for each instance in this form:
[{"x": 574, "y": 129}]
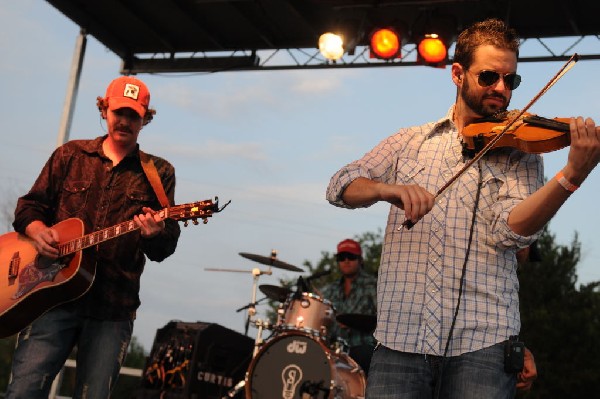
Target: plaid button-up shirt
[{"x": 419, "y": 276}]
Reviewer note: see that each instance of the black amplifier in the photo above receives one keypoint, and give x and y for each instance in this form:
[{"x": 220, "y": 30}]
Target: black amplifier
[{"x": 195, "y": 361}]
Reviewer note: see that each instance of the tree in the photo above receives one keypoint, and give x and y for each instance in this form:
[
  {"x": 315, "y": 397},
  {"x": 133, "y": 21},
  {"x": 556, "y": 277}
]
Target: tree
[{"x": 560, "y": 323}]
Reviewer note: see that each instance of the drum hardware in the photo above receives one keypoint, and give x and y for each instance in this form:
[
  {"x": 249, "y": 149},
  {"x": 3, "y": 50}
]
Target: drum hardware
[
  {"x": 271, "y": 261},
  {"x": 269, "y": 291},
  {"x": 361, "y": 322},
  {"x": 275, "y": 292}
]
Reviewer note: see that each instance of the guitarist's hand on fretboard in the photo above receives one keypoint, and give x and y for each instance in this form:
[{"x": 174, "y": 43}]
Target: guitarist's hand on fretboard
[
  {"x": 45, "y": 239},
  {"x": 150, "y": 222}
]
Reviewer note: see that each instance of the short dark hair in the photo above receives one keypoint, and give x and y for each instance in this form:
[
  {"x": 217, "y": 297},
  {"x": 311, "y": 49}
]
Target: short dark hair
[{"x": 491, "y": 31}]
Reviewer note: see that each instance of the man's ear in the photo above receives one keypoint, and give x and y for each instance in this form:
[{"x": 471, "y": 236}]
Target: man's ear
[{"x": 457, "y": 73}]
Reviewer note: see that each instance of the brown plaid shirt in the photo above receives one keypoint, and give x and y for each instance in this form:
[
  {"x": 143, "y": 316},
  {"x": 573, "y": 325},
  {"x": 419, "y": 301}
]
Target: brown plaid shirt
[{"x": 79, "y": 181}]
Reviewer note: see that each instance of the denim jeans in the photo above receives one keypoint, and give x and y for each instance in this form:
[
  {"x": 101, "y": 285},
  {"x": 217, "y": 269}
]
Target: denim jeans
[
  {"x": 43, "y": 347},
  {"x": 474, "y": 375}
]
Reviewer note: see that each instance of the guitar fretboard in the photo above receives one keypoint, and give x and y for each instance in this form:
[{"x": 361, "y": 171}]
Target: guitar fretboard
[
  {"x": 97, "y": 237},
  {"x": 193, "y": 211}
]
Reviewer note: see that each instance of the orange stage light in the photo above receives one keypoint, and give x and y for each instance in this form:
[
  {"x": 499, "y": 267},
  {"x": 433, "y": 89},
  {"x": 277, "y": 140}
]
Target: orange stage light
[
  {"x": 385, "y": 44},
  {"x": 432, "y": 49}
]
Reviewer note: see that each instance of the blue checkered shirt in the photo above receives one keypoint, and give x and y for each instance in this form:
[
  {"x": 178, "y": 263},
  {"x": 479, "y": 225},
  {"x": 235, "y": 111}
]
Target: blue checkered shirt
[{"x": 419, "y": 275}]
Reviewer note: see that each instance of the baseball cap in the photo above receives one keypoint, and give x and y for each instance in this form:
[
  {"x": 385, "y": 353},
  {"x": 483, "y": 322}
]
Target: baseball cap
[
  {"x": 130, "y": 92},
  {"x": 350, "y": 246}
]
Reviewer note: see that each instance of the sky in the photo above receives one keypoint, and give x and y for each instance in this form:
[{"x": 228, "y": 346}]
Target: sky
[{"x": 269, "y": 141}]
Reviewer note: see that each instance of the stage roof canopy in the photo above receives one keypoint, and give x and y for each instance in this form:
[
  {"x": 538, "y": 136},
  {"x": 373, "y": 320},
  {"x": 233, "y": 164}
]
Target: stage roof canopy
[{"x": 225, "y": 35}]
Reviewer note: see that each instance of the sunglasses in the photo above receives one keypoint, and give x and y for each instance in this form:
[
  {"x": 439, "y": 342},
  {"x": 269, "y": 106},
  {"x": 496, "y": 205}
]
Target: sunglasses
[
  {"x": 342, "y": 256},
  {"x": 489, "y": 78}
]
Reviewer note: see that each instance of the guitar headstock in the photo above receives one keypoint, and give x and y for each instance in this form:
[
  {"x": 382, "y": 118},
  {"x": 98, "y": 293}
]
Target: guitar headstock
[{"x": 194, "y": 211}]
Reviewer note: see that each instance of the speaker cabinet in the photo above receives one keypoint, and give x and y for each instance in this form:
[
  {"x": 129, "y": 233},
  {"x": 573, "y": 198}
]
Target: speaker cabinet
[{"x": 195, "y": 361}]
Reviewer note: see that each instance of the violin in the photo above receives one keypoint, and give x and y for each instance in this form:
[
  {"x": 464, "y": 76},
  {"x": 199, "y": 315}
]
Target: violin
[{"x": 529, "y": 133}]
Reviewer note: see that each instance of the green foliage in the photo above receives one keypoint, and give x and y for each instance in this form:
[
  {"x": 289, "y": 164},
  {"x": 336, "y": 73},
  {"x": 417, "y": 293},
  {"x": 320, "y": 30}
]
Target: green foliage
[{"x": 560, "y": 323}]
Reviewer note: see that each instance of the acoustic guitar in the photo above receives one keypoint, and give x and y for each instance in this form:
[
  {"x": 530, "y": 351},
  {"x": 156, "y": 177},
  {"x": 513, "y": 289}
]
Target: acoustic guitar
[{"x": 31, "y": 284}]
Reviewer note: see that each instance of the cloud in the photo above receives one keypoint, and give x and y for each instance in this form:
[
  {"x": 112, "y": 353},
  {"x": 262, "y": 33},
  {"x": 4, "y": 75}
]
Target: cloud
[
  {"x": 210, "y": 149},
  {"x": 314, "y": 85}
]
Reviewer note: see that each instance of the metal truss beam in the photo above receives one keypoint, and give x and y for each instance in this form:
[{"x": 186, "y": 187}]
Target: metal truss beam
[{"x": 286, "y": 59}]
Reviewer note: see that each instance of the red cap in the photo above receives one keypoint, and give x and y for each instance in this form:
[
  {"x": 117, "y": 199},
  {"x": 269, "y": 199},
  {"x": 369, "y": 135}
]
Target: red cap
[
  {"x": 128, "y": 92},
  {"x": 350, "y": 246}
]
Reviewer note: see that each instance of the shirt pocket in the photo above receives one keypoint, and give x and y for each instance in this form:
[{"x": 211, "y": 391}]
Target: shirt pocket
[
  {"x": 138, "y": 198},
  {"x": 409, "y": 171},
  {"x": 74, "y": 196}
]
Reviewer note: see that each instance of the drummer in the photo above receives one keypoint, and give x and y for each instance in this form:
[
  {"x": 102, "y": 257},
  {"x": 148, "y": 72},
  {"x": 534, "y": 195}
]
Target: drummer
[{"x": 354, "y": 293}]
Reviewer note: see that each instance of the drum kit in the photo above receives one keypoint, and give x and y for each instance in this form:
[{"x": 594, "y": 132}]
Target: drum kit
[{"x": 298, "y": 359}]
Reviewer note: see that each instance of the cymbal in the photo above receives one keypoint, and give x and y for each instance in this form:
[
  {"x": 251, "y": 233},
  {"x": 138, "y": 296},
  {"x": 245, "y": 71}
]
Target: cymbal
[
  {"x": 362, "y": 322},
  {"x": 275, "y": 292},
  {"x": 271, "y": 261}
]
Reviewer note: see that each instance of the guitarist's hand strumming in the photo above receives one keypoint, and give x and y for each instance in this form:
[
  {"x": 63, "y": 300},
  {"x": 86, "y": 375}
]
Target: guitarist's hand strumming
[{"x": 45, "y": 239}]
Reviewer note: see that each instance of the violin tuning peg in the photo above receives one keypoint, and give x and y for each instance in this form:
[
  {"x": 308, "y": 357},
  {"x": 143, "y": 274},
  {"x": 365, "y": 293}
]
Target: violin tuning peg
[{"x": 195, "y": 221}]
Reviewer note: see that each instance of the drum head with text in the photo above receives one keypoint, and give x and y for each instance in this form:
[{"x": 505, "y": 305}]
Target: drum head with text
[{"x": 289, "y": 366}]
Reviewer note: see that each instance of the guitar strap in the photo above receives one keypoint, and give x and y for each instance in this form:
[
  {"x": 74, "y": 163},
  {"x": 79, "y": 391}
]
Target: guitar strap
[{"x": 154, "y": 178}]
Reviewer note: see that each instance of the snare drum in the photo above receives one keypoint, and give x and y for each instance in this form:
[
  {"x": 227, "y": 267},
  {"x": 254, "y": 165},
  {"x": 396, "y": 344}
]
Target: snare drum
[
  {"x": 294, "y": 364},
  {"x": 310, "y": 313}
]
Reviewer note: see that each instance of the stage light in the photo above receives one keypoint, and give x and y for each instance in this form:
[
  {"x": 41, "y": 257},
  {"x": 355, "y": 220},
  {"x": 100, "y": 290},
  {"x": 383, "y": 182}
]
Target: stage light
[
  {"x": 384, "y": 44},
  {"x": 432, "y": 50},
  {"x": 331, "y": 46}
]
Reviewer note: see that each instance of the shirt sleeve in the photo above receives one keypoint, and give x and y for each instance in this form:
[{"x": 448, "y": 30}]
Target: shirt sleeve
[
  {"x": 377, "y": 165},
  {"x": 38, "y": 203}
]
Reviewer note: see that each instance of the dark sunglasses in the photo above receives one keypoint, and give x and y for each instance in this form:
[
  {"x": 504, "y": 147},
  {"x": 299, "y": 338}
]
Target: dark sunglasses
[
  {"x": 342, "y": 256},
  {"x": 489, "y": 78}
]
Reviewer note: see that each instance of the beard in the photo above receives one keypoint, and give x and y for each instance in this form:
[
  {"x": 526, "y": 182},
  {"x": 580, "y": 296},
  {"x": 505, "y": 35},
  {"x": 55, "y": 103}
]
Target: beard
[{"x": 475, "y": 102}]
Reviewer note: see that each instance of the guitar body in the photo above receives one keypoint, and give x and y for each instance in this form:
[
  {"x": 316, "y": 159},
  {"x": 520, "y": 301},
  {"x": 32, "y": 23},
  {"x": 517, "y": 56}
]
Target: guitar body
[{"x": 31, "y": 284}]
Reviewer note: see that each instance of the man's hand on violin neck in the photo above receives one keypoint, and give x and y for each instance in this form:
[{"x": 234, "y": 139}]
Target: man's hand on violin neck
[{"x": 584, "y": 153}]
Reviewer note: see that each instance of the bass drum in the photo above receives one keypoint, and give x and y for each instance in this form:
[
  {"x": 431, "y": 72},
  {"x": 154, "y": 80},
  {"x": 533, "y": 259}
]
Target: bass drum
[{"x": 293, "y": 364}]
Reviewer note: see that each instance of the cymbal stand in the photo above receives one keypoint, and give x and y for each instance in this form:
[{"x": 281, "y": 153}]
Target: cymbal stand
[{"x": 260, "y": 324}]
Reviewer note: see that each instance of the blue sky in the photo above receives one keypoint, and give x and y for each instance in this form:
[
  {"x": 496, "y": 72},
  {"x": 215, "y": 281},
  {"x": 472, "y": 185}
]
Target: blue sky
[{"x": 269, "y": 141}]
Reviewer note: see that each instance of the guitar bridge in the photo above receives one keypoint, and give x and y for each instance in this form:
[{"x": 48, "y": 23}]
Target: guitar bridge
[{"x": 13, "y": 268}]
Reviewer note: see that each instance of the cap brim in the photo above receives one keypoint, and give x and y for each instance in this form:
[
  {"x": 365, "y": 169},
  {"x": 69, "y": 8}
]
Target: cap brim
[{"x": 124, "y": 102}]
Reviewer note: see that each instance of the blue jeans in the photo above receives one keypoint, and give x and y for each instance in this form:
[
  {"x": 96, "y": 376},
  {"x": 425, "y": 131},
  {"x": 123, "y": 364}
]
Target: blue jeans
[
  {"x": 474, "y": 375},
  {"x": 43, "y": 347}
]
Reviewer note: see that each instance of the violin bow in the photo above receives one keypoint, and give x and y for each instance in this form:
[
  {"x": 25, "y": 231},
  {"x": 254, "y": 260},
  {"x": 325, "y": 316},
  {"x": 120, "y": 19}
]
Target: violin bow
[{"x": 564, "y": 69}]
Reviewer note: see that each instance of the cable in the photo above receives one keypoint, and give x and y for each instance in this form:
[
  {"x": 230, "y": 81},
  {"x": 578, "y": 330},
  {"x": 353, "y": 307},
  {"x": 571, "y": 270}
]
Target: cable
[{"x": 462, "y": 280}]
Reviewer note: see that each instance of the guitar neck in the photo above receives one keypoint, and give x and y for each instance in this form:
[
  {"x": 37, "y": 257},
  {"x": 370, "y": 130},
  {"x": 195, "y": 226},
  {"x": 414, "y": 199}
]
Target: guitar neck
[
  {"x": 97, "y": 237},
  {"x": 192, "y": 211}
]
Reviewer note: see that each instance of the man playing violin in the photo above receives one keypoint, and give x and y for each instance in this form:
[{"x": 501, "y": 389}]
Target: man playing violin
[{"x": 448, "y": 299}]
